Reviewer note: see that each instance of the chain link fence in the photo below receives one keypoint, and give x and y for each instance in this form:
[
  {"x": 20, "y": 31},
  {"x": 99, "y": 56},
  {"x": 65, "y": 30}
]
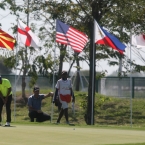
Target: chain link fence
[
  {"x": 125, "y": 87},
  {"x": 109, "y": 86},
  {"x": 122, "y": 87}
]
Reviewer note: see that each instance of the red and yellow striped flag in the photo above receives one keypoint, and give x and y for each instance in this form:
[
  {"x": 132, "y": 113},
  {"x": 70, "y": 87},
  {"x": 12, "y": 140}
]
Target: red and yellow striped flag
[{"x": 6, "y": 41}]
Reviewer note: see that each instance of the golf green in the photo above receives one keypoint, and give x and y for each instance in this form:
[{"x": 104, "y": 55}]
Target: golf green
[{"x": 67, "y": 135}]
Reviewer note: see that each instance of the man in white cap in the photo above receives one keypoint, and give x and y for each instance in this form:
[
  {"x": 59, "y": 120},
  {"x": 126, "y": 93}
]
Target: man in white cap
[
  {"x": 65, "y": 95},
  {"x": 5, "y": 98}
]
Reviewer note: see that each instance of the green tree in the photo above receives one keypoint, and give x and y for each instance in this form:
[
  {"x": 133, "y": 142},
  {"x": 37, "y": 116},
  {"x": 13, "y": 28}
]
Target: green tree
[
  {"x": 4, "y": 70},
  {"x": 119, "y": 17},
  {"x": 27, "y": 59}
]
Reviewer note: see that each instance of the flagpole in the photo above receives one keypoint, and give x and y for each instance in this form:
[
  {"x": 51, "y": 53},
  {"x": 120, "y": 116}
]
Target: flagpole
[
  {"x": 89, "y": 117},
  {"x": 93, "y": 74},
  {"x": 53, "y": 80},
  {"x": 130, "y": 79},
  {"x": 15, "y": 87},
  {"x": 16, "y": 76}
]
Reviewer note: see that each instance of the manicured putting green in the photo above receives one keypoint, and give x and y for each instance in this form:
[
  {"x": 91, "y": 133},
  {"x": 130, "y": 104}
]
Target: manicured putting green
[{"x": 67, "y": 135}]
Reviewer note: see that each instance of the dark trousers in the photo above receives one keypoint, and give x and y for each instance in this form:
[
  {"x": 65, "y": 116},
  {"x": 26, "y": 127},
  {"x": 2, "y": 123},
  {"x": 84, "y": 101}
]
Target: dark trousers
[
  {"x": 40, "y": 117},
  {"x": 8, "y": 108}
]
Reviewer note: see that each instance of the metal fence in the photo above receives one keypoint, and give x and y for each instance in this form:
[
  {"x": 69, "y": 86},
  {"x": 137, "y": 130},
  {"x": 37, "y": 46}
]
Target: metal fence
[
  {"x": 16, "y": 82},
  {"x": 122, "y": 87},
  {"x": 125, "y": 87},
  {"x": 109, "y": 86}
]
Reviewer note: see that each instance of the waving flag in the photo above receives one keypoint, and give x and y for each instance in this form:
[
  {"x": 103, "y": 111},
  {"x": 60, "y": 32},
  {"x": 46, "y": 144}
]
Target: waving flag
[
  {"x": 138, "y": 40},
  {"x": 26, "y": 36},
  {"x": 67, "y": 35},
  {"x": 105, "y": 38},
  {"x": 6, "y": 41}
]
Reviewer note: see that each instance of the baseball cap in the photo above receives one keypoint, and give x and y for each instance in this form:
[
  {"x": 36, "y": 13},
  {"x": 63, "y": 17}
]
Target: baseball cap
[
  {"x": 36, "y": 89},
  {"x": 64, "y": 72}
]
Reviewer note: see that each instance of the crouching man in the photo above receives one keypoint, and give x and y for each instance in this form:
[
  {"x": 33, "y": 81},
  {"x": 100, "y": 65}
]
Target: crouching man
[{"x": 34, "y": 105}]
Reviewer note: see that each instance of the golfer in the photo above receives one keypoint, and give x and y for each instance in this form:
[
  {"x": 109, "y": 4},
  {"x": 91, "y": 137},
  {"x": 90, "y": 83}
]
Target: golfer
[
  {"x": 65, "y": 94},
  {"x": 34, "y": 105},
  {"x": 5, "y": 99}
]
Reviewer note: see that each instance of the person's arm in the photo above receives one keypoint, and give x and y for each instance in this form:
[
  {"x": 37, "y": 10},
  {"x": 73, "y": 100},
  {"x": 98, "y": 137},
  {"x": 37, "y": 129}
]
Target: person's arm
[
  {"x": 56, "y": 92},
  {"x": 33, "y": 109},
  {"x": 72, "y": 93},
  {"x": 55, "y": 95},
  {"x": 8, "y": 93},
  {"x": 73, "y": 97},
  {"x": 1, "y": 96},
  {"x": 50, "y": 94}
]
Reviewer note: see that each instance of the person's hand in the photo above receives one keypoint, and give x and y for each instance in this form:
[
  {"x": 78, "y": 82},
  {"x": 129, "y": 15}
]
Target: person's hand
[
  {"x": 51, "y": 94},
  {"x": 39, "y": 111},
  {"x": 55, "y": 100},
  {"x": 73, "y": 100},
  {"x": 5, "y": 101}
]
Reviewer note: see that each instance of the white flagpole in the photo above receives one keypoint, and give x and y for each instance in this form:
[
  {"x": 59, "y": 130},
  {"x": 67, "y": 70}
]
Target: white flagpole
[
  {"x": 130, "y": 79},
  {"x": 15, "y": 88},
  {"x": 53, "y": 81},
  {"x": 53, "y": 85},
  {"x": 15, "y": 78}
]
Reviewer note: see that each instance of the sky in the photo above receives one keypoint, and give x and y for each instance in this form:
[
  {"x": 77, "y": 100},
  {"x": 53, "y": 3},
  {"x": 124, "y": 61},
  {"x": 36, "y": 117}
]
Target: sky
[{"x": 6, "y": 20}]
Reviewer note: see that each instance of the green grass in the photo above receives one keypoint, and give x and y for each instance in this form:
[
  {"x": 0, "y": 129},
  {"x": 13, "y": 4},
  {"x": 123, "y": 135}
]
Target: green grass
[
  {"x": 109, "y": 111},
  {"x": 40, "y": 133},
  {"x": 112, "y": 124}
]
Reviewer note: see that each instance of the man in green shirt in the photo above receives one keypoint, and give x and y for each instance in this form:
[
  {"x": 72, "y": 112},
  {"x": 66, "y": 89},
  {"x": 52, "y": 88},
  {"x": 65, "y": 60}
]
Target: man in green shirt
[{"x": 5, "y": 98}]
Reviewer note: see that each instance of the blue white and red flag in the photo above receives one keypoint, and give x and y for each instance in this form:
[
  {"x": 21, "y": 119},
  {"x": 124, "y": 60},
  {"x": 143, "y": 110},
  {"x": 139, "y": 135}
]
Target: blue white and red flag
[
  {"x": 68, "y": 35},
  {"x": 105, "y": 38}
]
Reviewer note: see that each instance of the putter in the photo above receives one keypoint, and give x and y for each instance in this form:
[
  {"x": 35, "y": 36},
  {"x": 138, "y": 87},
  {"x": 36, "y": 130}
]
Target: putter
[
  {"x": 2, "y": 119},
  {"x": 73, "y": 108},
  {"x": 3, "y": 116},
  {"x": 51, "y": 109}
]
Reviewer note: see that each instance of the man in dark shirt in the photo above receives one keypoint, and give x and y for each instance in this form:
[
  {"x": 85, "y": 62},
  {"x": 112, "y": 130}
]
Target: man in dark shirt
[{"x": 34, "y": 104}]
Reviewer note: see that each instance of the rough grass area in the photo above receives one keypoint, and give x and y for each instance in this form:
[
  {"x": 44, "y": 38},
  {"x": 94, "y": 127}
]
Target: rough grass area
[{"x": 108, "y": 110}]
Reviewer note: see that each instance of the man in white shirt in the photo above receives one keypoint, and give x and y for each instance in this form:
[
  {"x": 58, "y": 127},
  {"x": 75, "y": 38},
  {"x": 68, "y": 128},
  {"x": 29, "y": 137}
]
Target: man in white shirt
[{"x": 65, "y": 94}]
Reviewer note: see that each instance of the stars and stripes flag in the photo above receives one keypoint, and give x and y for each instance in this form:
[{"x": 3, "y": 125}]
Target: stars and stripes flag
[
  {"x": 68, "y": 35},
  {"x": 26, "y": 36},
  {"x": 6, "y": 41},
  {"x": 105, "y": 38}
]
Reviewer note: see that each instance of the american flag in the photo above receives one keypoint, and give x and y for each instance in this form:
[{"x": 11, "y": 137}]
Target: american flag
[{"x": 67, "y": 35}]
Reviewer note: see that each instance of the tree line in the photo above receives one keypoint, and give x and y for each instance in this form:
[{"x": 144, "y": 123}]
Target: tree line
[{"x": 120, "y": 17}]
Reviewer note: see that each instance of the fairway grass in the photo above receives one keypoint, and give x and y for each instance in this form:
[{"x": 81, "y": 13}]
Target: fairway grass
[{"x": 68, "y": 135}]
